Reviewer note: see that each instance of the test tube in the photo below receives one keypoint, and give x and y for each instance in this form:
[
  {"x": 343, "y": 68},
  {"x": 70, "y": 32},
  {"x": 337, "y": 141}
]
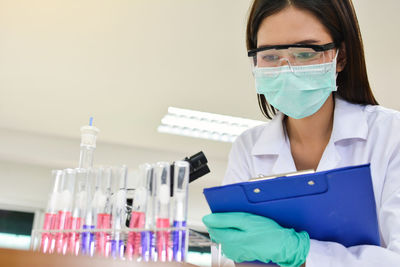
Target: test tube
[
  {"x": 64, "y": 212},
  {"x": 102, "y": 203},
  {"x": 87, "y": 246},
  {"x": 133, "y": 249},
  {"x": 181, "y": 183},
  {"x": 88, "y": 145},
  {"x": 50, "y": 217},
  {"x": 163, "y": 183},
  {"x": 147, "y": 236},
  {"x": 119, "y": 214},
  {"x": 79, "y": 209}
]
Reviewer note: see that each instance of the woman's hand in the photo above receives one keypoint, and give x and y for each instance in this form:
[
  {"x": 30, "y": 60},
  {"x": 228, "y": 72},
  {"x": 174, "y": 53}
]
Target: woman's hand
[{"x": 249, "y": 237}]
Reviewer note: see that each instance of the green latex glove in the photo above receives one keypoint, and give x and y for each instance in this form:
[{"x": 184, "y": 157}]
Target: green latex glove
[{"x": 249, "y": 237}]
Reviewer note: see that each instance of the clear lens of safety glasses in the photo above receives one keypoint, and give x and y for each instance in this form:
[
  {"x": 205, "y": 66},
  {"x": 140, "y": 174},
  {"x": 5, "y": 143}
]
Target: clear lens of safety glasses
[{"x": 298, "y": 60}]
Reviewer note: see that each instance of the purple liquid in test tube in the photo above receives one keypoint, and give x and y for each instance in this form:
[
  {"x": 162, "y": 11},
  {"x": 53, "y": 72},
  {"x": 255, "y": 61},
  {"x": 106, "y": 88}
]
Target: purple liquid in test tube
[
  {"x": 147, "y": 245},
  {"x": 117, "y": 214},
  {"x": 179, "y": 241},
  {"x": 117, "y": 249},
  {"x": 88, "y": 241},
  {"x": 181, "y": 182}
]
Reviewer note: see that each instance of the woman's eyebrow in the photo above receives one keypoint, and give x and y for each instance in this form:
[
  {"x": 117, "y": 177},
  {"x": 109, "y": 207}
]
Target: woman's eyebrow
[{"x": 308, "y": 41}]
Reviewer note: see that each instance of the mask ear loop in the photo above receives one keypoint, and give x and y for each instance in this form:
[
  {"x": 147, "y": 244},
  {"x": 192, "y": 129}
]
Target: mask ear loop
[
  {"x": 335, "y": 60},
  {"x": 334, "y": 66},
  {"x": 333, "y": 63}
]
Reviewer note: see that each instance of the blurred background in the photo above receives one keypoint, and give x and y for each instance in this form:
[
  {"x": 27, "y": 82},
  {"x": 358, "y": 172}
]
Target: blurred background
[{"x": 124, "y": 62}]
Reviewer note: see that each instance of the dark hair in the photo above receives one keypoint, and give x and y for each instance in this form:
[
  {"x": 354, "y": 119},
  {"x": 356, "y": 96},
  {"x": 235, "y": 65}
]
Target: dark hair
[{"x": 339, "y": 17}]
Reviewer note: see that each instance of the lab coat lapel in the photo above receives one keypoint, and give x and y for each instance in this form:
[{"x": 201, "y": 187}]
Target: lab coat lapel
[
  {"x": 284, "y": 163},
  {"x": 349, "y": 122},
  {"x": 330, "y": 158},
  {"x": 271, "y": 152}
]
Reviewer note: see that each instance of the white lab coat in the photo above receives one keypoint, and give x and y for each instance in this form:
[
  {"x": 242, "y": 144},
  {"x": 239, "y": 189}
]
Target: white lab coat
[{"x": 361, "y": 134}]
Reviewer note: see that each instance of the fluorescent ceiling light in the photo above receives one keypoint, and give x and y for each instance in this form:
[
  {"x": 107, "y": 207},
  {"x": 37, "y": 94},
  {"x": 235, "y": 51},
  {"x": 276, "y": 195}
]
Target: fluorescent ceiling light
[{"x": 205, "y": 125}]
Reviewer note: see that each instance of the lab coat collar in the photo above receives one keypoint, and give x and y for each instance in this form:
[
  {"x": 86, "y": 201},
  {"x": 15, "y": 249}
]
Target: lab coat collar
[
  {"x": 271, "y": 139},
  {"x": 349, "y": 123}
]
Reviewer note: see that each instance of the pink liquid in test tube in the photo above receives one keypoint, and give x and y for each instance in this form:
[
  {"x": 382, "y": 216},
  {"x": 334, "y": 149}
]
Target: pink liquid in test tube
[
  {"x": 133, "y": 247},
  {"x": 163, "y": 240},
  {"x": 103, "y": 238},
  {"x": 47, "y": 242},
  {"x": 74, "y": 237},
  {"x": 63, "y": 223}
]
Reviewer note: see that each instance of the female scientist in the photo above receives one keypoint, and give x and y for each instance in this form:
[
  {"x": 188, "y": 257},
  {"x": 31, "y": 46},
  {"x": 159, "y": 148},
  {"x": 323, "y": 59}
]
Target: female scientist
[{"x": 311, "y": 80}]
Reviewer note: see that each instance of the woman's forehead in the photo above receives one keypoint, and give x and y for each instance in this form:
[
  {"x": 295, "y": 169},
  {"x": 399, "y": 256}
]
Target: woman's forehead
[{"x": 290, "y": 26}]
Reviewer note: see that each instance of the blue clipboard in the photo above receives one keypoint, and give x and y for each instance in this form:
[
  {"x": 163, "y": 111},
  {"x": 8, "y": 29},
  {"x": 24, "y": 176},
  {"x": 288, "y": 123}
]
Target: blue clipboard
[{"x": 336, "y": 205}]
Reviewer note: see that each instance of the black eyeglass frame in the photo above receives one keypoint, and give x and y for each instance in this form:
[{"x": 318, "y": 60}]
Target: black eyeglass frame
[{"x": 317, "y": 48}]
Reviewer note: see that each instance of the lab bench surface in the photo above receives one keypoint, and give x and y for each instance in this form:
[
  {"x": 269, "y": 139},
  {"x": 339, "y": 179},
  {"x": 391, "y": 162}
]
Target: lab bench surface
[{"x": 21, "y": 258}]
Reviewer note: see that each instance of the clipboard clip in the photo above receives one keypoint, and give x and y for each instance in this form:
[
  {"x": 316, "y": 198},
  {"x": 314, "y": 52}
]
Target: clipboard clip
[{"x": 288, "y": 174}]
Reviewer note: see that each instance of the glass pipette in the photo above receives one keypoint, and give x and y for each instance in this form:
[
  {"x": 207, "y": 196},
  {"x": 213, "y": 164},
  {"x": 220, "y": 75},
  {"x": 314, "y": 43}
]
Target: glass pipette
[{"x": 88, "y": 145}]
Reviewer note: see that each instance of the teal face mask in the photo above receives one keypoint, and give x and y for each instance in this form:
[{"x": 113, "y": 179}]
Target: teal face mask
[{"x": 297, "y": 91}]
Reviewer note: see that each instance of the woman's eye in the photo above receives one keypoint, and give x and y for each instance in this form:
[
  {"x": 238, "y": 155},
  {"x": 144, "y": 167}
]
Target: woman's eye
[
  {"x": 306, "y": 55},
  {"x": 270, "y": 58}
]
